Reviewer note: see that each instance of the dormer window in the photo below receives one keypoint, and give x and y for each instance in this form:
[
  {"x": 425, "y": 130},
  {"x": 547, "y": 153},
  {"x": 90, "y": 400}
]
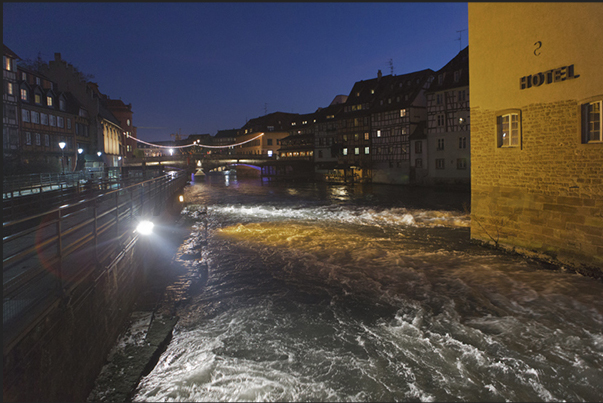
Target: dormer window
[
  {"x": 49, "y": 101},
  {"x": 23, "y": 76},
  {"x": 440, "y": 79},
  {"x": 457, "y": 76},
  {"x": 62, "y": 104},
  {"x": 24, "y": 95},
  {"x": 38, "y": 99},
  {"x": 38, "y": 81}
]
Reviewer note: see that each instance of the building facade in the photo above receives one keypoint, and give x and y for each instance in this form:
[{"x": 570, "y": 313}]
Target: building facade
[
  {"x": 274, "y": 126},
  {"x": 536, "y": 142},
  {"x": 10, "y": 118},
  {"x": 448, "y": 126}
]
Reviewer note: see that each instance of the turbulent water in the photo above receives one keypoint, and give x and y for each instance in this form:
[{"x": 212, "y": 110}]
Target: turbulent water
[{"x": 370, "y": 293}]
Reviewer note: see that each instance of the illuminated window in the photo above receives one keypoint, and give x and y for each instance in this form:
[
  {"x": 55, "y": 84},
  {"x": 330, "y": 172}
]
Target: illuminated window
[
  {"x": 440, "y": 163},
  {"x": 378, "y": 133},
  {"x": 10, "y": 89},
  {"x": 270, "y": 153},
  {"x": 592, "y": 116},
  {"x": 7, "y": 64},
  {"x": 372, "y": 91},
  {"x": 509, "y": 129},
  {"x": 366, "y": 136},
  {"x": 293, "y": 123},
  {"x": 49, "y": 101},
  {"x": 367, "y": 150},
  {"x": 37, "y": 99},
  {"x": 23, "y": 94},
  {"x": 345, "y": 151},
  {"x": 356, "y": 151},
  {"x": 402, "y": 113}
]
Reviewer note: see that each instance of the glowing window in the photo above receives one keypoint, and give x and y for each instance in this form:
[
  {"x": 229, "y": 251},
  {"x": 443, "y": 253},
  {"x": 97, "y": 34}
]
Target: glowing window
[
  {"x": 367, "y": 150},
  {"x": 356, "y": 151},
  {"x": 509, "y": 126},
  {"x": 345, "y": 151},
  {"x": 49, "y": 101}
]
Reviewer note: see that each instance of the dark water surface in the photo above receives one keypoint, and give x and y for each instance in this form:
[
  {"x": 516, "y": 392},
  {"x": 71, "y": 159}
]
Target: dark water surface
[{"x": 324, "y": 292}]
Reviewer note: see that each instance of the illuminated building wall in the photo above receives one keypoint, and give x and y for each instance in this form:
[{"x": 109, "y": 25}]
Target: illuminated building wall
[{"x": 536, "y": 152}]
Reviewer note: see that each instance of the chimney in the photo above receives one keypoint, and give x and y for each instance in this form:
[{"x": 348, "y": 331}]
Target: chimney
[
  {"x": 57, "y": 57},
  {"x": 379, "y": 75}
]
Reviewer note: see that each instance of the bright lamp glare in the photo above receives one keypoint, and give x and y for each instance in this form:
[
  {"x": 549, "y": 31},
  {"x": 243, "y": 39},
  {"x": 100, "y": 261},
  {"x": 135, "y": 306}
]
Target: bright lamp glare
[
  {"x": 145, "y": 227},
  {"x": 181, "y": 198}
]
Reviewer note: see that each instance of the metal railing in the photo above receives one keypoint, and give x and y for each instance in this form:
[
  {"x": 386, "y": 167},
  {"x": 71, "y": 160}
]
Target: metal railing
[{"x": 49, "y": 255}]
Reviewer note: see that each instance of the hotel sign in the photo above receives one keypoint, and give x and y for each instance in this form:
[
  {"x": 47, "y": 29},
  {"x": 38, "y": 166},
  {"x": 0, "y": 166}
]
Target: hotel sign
[{"x": 547, "y": 77}]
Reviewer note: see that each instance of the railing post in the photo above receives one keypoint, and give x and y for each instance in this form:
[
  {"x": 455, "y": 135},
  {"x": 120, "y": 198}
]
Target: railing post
[
  {"x": 95, "y": 207},
  {"x": 117, "y": 214},
  {"x": 60, "y": 252}
]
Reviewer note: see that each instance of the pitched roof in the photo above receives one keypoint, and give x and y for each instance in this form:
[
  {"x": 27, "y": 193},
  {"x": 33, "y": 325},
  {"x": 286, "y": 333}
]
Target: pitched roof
[
  {"x": 10, "y": 53},
  {"x": 458, "y": 63}
]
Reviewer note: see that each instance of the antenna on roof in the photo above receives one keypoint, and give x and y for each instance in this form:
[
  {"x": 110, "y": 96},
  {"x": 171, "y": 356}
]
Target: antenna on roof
[
  {"x": 460, "y": 37},
  {"x": 391, "y": 66}
]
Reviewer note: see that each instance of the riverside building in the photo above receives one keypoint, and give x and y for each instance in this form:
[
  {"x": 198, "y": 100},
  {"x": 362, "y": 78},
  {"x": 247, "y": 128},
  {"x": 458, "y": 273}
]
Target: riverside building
[{"x": 536, "y": 140}]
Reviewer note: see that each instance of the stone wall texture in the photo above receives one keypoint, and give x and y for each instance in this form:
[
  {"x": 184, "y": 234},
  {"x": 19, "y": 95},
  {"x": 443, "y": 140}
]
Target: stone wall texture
[{"x": 545, "y": 197}]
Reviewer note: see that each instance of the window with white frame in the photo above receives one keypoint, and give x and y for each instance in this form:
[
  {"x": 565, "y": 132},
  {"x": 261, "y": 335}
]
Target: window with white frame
[
  {"x": 592, "y": 116},
  {"x": 60, "y": 121},
  {"x": 49, "y": 100},
  {"x": 38, "y": 141},
  {"x": 35, "y": 117},
  {"x": 38, "y": 81},
  {"x": 44, "y": 118},
  {"x": 367, "y": 150},
  {"x": 28, "y": 138},
  {"x": 69, "y": 123},
  {"x": 378, "y": 133},
  {"x": 356, "y": 151},
  {"x": 509, "y": 129},
  {"x": 52, "y": 120},
  {"x": 23, "y": 94},
  {"x": 345, "y": 151},
  {"x": 62, "y": 104},
  {"x": 47, "y": 140},
  {"x": 25, "y": 115}
]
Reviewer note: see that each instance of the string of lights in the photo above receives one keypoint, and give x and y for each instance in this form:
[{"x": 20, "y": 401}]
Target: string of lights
[{"x": 194, "y": 143}]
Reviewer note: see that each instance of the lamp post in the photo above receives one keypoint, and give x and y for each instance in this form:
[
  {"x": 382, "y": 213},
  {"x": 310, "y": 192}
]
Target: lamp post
[{"x": 62, "y": 144}]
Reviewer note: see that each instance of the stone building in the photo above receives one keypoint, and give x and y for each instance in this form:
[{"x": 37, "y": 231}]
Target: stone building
[
  {"x": 536, "y": 142},
  {"x": 46, "y": 121},
  {"x": 10, "y": 119},
  {"x": 123, "y": 113},
  {"x": 448, "y": 130}
]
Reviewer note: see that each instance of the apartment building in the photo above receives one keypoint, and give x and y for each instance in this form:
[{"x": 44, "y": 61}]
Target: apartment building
[
  {"x": 274, "y": 126},
  {"x": 10, "y": 118},
  {"x": 448, "y": 126}
]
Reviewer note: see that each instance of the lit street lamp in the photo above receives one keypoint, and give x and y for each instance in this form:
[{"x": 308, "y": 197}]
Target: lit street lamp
[{"x": 62, "y": 144}]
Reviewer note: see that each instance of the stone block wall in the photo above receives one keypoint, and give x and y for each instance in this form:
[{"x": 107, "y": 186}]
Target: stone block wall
[{"x": 545, "y": 197}]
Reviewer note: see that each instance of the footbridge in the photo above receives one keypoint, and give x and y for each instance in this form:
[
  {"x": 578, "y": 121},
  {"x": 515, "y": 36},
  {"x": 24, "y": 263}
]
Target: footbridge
[{"x": 204, "y": 163}]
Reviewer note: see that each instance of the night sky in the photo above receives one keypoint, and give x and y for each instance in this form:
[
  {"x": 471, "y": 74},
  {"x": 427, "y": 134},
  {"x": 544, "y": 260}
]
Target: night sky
[{"x": 204, "y": 67}]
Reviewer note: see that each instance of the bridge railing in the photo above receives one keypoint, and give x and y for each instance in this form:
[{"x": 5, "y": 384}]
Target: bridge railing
[{"x": 47, "y": 256}]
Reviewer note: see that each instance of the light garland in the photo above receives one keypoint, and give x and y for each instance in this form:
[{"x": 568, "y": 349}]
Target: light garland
[{"x": 194, "y": 144}]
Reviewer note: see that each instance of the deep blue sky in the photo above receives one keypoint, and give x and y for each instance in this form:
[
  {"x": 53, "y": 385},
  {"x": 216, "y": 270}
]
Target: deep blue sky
[{"x": 204, "y": 67}]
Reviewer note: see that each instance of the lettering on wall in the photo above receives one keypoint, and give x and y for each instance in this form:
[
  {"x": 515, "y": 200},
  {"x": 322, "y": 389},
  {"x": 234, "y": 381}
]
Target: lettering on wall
[
  {"x": 547, "y": 77},
  {"x": 536, "y": 52}
]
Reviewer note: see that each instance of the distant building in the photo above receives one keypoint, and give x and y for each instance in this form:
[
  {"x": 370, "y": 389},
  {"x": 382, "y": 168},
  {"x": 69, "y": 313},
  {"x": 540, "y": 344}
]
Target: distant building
[
  {"x": 536, "y": 139},
  {"x": 224, "y": 138},
  {"x": 326, "y": 147},
  {"x": 124, "y": 113},
  {"x": 275, "y": 126},
  {"x": 448, "y": 130}
]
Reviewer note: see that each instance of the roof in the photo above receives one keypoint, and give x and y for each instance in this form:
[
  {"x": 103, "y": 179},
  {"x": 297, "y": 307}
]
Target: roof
[
  {"x": 419, "y": 133},
  {"x": 226, "y": 133},
  {"x": 279, "y": 120},
  {"x": 459, "y": 62},
  {"x": 10, "y": 53}
]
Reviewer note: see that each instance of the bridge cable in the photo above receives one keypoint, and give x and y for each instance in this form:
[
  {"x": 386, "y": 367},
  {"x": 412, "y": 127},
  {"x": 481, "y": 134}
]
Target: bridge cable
[{"x": 194, "y": 144}]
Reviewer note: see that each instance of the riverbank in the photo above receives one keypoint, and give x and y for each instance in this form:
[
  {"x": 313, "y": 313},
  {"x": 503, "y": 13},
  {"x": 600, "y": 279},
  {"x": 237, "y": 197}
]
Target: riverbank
[{"x": 149, "y": 330}]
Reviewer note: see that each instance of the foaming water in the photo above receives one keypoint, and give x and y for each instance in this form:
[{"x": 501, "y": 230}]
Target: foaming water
[{"x": 329, "y": 294}]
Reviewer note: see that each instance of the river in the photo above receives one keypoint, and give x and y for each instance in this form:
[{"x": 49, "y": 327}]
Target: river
[{"x": 319, "y": 292}]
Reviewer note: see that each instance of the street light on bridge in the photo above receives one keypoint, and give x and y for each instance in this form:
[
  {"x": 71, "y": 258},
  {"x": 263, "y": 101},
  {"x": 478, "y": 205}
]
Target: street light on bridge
[{"x": 62, "y": 144}]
